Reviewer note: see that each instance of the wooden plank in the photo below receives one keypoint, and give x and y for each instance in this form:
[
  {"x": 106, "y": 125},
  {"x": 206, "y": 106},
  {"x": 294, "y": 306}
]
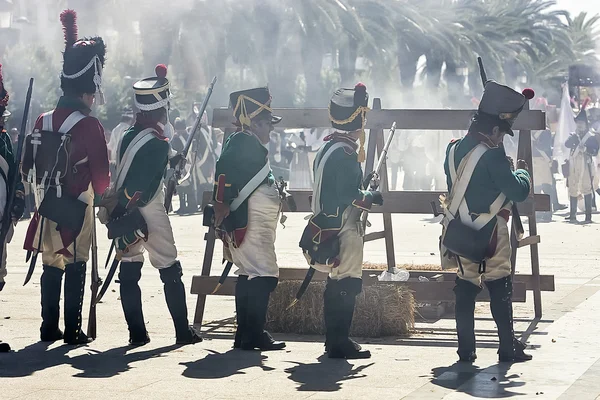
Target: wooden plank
[
  {"x": 406, "y": 202},
  {"x": 546, "y": 281},
  {"x": 206, "y": 266},
  {"x": 387, "y": 216},
  {"x": 439, "y": 120},
  {"x": 369, "y": 237},
  {"x": 529, "y": 241},
  {"x": 423, "y": 291},
  {"x": 525, "y": 153}
]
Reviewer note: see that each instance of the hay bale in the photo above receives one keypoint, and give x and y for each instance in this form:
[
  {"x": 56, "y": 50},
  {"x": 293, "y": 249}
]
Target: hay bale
[
  {"x": 408, "y": 267},
  {"x": 381, "y": 310}
]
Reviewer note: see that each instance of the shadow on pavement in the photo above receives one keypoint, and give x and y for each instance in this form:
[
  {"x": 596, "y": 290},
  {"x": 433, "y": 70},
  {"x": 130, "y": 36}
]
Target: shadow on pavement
[
  {"x": 222, "y": 365},
  {"x": 325, "y": 376},
  {"x": 98, "y": 364},
  {"x": 33, "y": 358},
  {"x": 490, "y": 383}
]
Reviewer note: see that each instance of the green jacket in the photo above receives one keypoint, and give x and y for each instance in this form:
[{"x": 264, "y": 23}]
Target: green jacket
[
  {"x": 341, "y": 186},
  {"x": 492, "y": 176},
  {"x": 147, "y": 169},
  {"x": 242, "y": 157}
]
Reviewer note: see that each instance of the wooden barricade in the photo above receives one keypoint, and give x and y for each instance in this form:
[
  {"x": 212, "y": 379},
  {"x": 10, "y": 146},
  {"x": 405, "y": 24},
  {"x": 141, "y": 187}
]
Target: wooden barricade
[{"x": 440, "y": 284}]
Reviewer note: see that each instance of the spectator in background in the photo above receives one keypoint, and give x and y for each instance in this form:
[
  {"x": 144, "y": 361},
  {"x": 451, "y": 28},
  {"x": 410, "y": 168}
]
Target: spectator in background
[{"x": 117, "y": 134}]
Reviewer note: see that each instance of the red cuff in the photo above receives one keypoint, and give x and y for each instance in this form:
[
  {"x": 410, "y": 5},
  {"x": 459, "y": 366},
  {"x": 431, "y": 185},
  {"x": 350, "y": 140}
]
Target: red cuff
[{"x": 220, "y": 189}]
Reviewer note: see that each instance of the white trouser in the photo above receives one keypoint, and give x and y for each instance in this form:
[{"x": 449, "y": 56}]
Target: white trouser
[
  {"x": 542, "y": 171},
  {"x": 580, "y": 181},
  {"x": 256, "y": 255},
  {"x": 161, "y": 243},
  {"x": 497, "y": 267},
  {"x": 351, "y": 250}
]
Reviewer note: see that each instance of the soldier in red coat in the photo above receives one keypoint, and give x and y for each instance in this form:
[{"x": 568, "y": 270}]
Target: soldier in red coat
[{"x": 65, "y": 249}]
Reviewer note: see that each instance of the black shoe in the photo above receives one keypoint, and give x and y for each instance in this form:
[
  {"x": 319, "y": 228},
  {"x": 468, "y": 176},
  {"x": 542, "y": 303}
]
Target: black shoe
[
  {"x": 192, "y": 337},
  {"x": 140, "y": 340},
  {"x": 516, "y": 355},
  {"x": 467, "y": 358},
  {"x": 266, "y": 343},
  {"x": 80, "y": 338},
  {"x": 348, "y": 350},
  {"x": 4, "y": 347},
  {"x": 50, "y": 336},
  {"x": 560, "y": 207}
]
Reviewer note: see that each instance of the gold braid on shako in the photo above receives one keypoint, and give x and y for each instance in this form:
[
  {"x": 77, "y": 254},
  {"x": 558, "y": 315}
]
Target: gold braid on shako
[
  {"x": 245, "y": 118},
  {"x": 362, "y": 112}
]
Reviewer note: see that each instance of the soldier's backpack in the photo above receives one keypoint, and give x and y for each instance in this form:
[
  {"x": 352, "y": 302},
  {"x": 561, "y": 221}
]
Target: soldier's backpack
[
  {"x": 46, "y": 163},
  {"x": 46, "y": 157}
]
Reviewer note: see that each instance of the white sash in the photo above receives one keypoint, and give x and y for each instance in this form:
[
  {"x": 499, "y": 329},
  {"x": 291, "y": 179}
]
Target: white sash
[
  {"x": 250, "y": 187},
  {"x": 581, "y": 144},
  {"x": 320, "y": 161},
  {"x": 125, "y": 162},
  {"x": 460, "y": 183}
]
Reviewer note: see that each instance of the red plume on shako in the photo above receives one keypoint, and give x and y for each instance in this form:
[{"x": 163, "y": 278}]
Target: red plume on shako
[
  {"x": 528, "y": 93},
  {"x": 161, "y": 71}
]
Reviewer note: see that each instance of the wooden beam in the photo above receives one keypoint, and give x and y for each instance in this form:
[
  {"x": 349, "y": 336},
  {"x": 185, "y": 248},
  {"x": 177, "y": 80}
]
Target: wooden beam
[
  {"x": 422, "y": 291},
  {"x": 438, "y": 120},
  {"x": 406, "y": 202}
]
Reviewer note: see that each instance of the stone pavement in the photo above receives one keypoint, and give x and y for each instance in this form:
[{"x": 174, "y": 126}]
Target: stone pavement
[{"x": 566, "y": 360}]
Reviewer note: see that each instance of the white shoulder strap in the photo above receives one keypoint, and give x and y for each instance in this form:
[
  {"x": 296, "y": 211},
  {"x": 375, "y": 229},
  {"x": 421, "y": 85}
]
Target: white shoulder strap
[
  {"x": 250, "y": 187},
  {"x": 124, "y": 163},
  {"x": 461, "y": 181},
  {"x": 320, "y": 161},
  {"x": 47, "y": 121},
  {"x": 70, "y": 122}
]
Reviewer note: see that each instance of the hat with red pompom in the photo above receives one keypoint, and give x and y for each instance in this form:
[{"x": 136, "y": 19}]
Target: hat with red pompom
[
  {"x": 347, "y": 111},
  {"x": 503, "y": 103},
  {"x": 83, "y": 60},
  {"x": 153, "y": 93}
]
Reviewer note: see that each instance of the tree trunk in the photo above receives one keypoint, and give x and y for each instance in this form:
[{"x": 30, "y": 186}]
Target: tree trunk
[
  {"x": 433, "y": 69},
  {"x": 407, "y": 63},
  {"x": 347, "y": 55}
]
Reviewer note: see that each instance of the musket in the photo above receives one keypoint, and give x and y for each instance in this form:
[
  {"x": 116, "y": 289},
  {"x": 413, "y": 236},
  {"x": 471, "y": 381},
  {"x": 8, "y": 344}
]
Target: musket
[
  {"x": 372, "y": 183},
  {"x": 223, "y": 277},
  {"x": 519, "y": 230},
  {"x": 96, "y": 282},
  {"x": 172, "y": 184},
  {"x": 14, "y": 174}
]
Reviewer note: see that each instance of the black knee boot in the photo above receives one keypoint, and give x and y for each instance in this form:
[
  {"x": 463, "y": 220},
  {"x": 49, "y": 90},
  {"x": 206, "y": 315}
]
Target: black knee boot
[
  {"x": 343, "y": 301},
  {"x": 51, "y": 285},
  {"x": 131, "y": 300},
  {"x": 510, "y": 349},
  {"x": 241, "y": 309},
  {"x": 255, "y": 336},
  {"x": 588, "y": 207},
  {"x": 74, "y": 289},
  {"x": 572, "y": 210},
  {"x": 464, "y": 314},
  {"x": 175, "y": 297}
]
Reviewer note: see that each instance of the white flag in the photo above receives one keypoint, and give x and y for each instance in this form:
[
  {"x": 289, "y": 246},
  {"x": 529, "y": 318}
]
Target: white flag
[{"x": 566, "y": 126}]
